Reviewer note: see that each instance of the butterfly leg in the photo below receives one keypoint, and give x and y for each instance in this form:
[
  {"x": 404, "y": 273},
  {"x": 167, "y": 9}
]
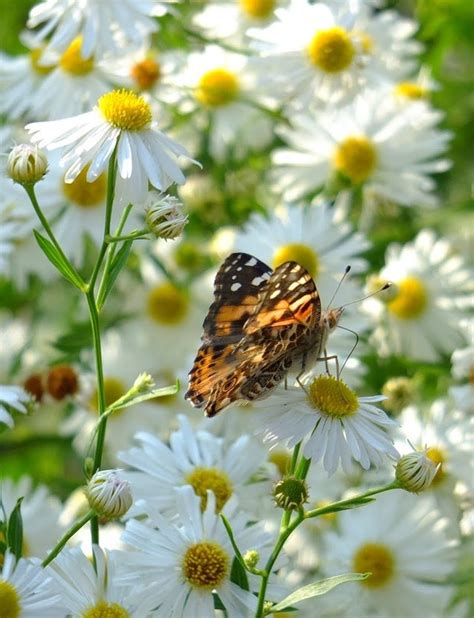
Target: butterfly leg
[
  {"x": 286, "y": 383},
  {"x": 327, "y": 358}
]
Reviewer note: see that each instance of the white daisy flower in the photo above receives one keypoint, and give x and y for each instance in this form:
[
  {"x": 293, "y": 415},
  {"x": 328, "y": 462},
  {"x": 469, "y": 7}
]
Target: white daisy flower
[
  {"x": 93, "y": 589},
  {"x": 336, "y": 425},
  {"x": 189, "y": 560},
  {"x": 9, "y": 232},
  {"x": 402, "y": 540},
  {"x": 72, "y": 86},
  {"x": 20, "y": 78},
  {"x": 372, "y": 142},
  {"x": 13, "y": 398},
  {"x": 420, "y": 316},
  {"x": 221, "y": 86},
  {"x": 321, "y": 53},
  {"x": 40, "y": 511},
  {"x": 106, "y": 27},
  {"x": 27, "y": 591},
  {"x": 199, "y": 459},
  {"x": 230, "y": 19},
  {"x": 121, "y": 122}
]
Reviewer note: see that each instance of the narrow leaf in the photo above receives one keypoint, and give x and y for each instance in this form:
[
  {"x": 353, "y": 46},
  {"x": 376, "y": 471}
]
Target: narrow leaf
[
  {"x": 58, "y": 261},
  {"x": 318, "y": 588},
  {"x": 238, "y": 575},
  {"x": 123, "y": 402},
  {"x": 15, "y": 530},
  {"x": 118, "y": 263}
]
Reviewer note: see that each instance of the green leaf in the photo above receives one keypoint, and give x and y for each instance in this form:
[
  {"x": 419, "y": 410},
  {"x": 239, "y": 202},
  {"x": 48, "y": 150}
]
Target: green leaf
[
  {"x": 238, "y": 575},
  {"x": 58, "y": 261},
  {"x": 15, "y": 531},
  {"x": 124, "y": 402},
  {"x": 317, "y": 588},
  {"x": 118, "y": 263}
]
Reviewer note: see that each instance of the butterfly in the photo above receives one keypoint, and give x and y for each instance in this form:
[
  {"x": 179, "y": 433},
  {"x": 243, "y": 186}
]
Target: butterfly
[{"x": 261, "y": 323}]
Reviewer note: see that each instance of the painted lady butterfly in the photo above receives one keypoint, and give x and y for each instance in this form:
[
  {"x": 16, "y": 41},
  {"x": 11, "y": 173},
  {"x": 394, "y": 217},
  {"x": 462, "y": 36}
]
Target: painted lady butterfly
[{"x": 261, "y": 323}]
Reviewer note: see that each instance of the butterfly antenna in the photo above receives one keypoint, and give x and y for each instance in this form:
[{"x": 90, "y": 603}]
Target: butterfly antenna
[
  {"x": 353, "y": 347},
  {"x": 384, "y": 287},
  {"x": 346, "y": 272}
]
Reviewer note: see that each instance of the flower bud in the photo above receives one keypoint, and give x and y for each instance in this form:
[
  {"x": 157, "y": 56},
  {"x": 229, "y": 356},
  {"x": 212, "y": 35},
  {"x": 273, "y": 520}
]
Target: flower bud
[
  {"x": 399, "y": 393},
  {"x": 108, "y": 494},
  {"x": 164, "y": 217},
  {"x": 26, "y": 164},
  {"x": 251, "y": 558},
  {"x": 415, "y": 472},
  {"x": 290, "y": 493}
]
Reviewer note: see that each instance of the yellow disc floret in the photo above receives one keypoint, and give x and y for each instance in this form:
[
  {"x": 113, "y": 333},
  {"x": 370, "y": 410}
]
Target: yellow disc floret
[
  {"x": 72, "y": 62},
  {"x": 167, "y": 304},
  {"x": 377, "y": 559},
  {"x": 125, "y": 110},
  {"x": 9, "y": 600},
  {"x": 356, "y": 158},
  {"x": 86, "y": 194},
  {"x": 333, "y": 397},
  {"x": 331, "y": 50},
  {"x": 217, "y": 87},
  {"x": 411, "y": 299},
  {"x": 35, "y": 59},
  {"x": 297, "y": 252},
  {"x": 258, "y": 9},
  {"x": 146, "y": 73},
  {"x": 205, "y": 565},
  {"x": 410, "y": 90},
  {"x": 437, "y": 456},
  {"x": 202, "y": 479},
  {"x": 106, "y": 610}
]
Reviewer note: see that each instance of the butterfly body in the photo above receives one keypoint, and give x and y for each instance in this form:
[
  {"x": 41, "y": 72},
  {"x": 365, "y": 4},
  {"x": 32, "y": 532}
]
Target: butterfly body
[{"x": 262, "y": 324}]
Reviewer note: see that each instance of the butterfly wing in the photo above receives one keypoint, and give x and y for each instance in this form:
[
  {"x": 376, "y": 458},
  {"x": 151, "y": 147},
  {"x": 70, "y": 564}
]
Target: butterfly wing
[{"x": 236, "y": 295}]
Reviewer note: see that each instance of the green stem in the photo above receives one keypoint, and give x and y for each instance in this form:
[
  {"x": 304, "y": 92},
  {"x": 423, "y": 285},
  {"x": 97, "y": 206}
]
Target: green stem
[
  {"x": 286, "y": 517},
  {"x": 30, "y": 190},
  {"x": 135, "y": 235},
  {"x": 338, "y": 506},
  {"x": 271, "y": 561},
  {"x": 70, "y": 533}
]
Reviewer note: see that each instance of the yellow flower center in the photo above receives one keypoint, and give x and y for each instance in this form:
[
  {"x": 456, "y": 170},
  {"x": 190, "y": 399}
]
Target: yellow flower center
[
  {"x": 72, "y": 62},
  {"x": 114, "y": 389},
  {"x": 86, "y": 194},
  {"x": 9, "y": 600},
  {"x": 146, "y": 73},
  {"x": 205, "y": 565},
  {"x": 333, "y": 397},
  {"x": 331, "y": 50},
  {"x": 297, "y": 252},
  {"x": 471, "y": 375},
  {"x": 257, "y": 9},
  {"x": 41, "y": 69},
  {"x": 217, "y": 88},
  {"x": 411, "y": 90},
  {"x": 411, "y": 299},
  {"x": 377, "y": 559},
  {"x": 437, "y": 456},
  {"x": 125, "y": 110},
  {"x": 202, "y": 479},
  {"x": 282, "y": 460},
  {"x": 106, "y": 610},
  {"x": 356, "y": 158},
  {"x": 366, "y": 42},
  {"x": 167, "y": 304}
]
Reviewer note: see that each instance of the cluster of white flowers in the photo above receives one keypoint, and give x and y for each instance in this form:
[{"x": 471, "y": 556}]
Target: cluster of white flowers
[{"x": 291, "y": 130}]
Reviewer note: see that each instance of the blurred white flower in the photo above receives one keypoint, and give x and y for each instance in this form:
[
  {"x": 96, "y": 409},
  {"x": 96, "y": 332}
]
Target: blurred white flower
[
  {"x": 326, "y": 53},
  {"x": 106, "y": 27},
  {"x": 40, "y": 511},
  {"x": 463, "y": 370},
  {"x": 402, "y": 540},
  {"x": 199, "y": 459},
  {"x": 13, "y": 398},
  {"x": 122, "y": 122},
  {"x": 92, "y": 588},
  {"x": 335, "y": 424},
  {"x": 27, "y": 590},
  {"x": 421, "y": 317},
  {"x": 372, "y": 142},
  {"x": 186, "y": 561},
  {"x": 220, "y": 86}
]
